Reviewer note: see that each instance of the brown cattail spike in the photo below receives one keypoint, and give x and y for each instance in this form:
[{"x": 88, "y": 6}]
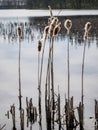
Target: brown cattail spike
[
  {"x": 68, "y": 25},
  {"x": 39, "y": 45},
  {"x": 57, "y": 29},
  {"x": 54, "y": 21},
  {"x": 46, "y": 32},
  {"x": 52, "y": 26},
  {"x": 19, "y": 31}
]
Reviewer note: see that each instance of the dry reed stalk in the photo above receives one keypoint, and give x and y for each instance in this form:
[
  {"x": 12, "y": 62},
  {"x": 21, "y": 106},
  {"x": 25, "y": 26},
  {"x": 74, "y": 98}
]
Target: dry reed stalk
[
  {"x": 68, "y": 25},
  {"x": 87, "y": 29},
  {"x": 22, "y": 119},
  {"x": 19, "y": 35},
  {"x": 19, "y": 70},
  {"x": 59, "y": 111},
  {"x": 52, "y": 30}
]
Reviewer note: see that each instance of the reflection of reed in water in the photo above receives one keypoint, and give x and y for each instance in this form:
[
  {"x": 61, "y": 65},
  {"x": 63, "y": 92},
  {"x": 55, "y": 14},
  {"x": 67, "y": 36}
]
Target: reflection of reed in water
[
  {"x": 96, "y": 114},
  {"x": 12, "y": 111},
  {"x": 31, "y": 113}
]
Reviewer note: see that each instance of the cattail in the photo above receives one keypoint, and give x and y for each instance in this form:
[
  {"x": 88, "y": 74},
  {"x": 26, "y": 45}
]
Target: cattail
[
  {"x": 49, "y": 20},
  {"x": 54, "y": 21},
  {"x": 39, "y": 45},
  {"x": 68, "y": 25},
  {"x": 46, "y": 32},
  {"x": 19, "y": 31},
  {"x": 87, "y": 29},
  {"x": 57, "y": 29},
  {"x": 52, "y": 26}
]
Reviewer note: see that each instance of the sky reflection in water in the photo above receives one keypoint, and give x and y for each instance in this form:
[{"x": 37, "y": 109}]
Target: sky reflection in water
[{"x": 29, "y": 63}]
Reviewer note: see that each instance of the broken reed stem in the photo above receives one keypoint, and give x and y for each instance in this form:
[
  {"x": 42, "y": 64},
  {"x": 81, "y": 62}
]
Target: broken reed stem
[
  {"x": 22, "y": 119},
  {"x": 59, "y": 111},
  {"x": 12, "y": 111}
]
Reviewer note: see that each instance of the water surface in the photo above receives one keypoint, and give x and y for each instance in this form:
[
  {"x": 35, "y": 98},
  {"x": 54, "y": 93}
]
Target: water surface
[{"x": 32, "y": 32}]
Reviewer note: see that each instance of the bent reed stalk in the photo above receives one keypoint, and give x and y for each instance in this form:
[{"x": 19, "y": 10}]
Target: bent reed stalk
[{"x": 87, "y": 29}]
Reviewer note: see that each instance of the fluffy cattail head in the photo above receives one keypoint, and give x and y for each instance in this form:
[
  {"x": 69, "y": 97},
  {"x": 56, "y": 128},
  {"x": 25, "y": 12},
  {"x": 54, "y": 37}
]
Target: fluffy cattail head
[
  {"x": 49, "y": 20},
  {"x": 52, "y": 26},
  {"x": 19, "y": 31},
  {"x": 39, "y": 45},
  {"x": 57, "y": 29},
  {"x": 54, "y": 21},
  {"x": 68, "y": 25},
  {"x": 87, "y": 27}
]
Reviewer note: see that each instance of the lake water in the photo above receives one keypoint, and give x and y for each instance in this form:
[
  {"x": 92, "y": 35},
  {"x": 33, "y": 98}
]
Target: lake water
[{"x": 33, "y": 28}]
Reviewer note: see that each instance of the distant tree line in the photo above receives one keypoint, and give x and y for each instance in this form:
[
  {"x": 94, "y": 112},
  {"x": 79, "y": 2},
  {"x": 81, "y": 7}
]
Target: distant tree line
[
  {"x": 55, "y": 4},
  {"x": 65, "y": 4}
]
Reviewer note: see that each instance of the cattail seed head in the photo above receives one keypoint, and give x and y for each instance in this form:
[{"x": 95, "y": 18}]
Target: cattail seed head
[
  {"x": 19, "y": 31},
  {"x": 68, "y": 25},
  {"x": 57, "y": 29},
  {"x": 49, "y": 20},
  {"x": 52, "y": 26},
  {"x": 46, "y": 29},
  {"x": 39, "y": 45},
  {"x": 87, "y": 27},
  {"x": 54, "y": 21}
]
